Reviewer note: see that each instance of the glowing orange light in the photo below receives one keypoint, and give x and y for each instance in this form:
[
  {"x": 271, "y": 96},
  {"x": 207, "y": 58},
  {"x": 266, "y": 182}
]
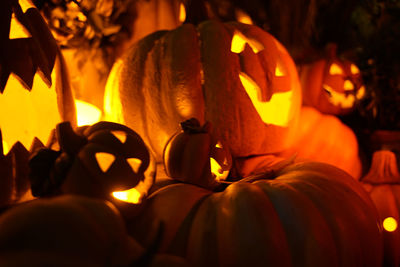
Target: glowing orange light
[
  {"x": 216, "y": 169},
  {"x": 390, "y": 224},
  {"x": 5, "y": 148},
  {"x": 335, "y": 69},
  {"x": 239, "y": 41},
  {"x": 131, "y": 195},
  {"x": 243, "y": 17},
  {"x": 276, "y": 111},
  {"x": 87, "y": 114},
  {"x": 182, "y": 13}
]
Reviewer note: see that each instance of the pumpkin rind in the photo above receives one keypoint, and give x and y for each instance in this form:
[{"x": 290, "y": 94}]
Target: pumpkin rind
[
  {"x": 169, "y": 77},
  {"x": 295, "y": 219}
]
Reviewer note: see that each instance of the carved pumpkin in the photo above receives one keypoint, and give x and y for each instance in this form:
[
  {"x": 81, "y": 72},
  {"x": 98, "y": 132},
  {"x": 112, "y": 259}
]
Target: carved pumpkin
[
  {"x": 240, "y": 79},
  {"x": 331, "y": 85},
  {"x": 105, "y": 160},
  {"x": 194, "y": 156},
  {"x": 324, "y": 138},
  {"x": 288, "y": 217},
  {"x": 14, "y": 181},
  {"x": 34, "y": 86},
  {"x": 382, "y": 182}
]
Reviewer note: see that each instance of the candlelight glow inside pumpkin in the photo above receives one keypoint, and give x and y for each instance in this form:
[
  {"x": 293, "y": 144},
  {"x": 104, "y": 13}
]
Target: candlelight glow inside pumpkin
[
  {"x": 33, "y": 81},
  {"x": 86, "y": 113},
  {"x": 390, "y": 224}
]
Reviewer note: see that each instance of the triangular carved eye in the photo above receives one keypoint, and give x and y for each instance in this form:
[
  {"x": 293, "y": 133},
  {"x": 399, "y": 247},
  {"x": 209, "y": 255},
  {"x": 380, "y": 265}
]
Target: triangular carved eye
[
  {"x": 354, "y": 69},
  {"x": 104, "y": 160},
  {"x": 335, "y": 69},
  {"x": 120, "y": 135},
  {"x": 17, "y": 30},
  {"x": 135, "y": 164},
  {"x": 239, "y": 42}
]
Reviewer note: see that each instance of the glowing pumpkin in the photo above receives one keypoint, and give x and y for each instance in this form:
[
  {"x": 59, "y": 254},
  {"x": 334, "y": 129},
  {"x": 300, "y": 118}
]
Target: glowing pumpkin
[
  {"x": 382, "y": 182},
  {"x": 194, "y": 156},
  {"x": 105, "y": 160},
  {"x": 331, "y": 85},
  {"x": 291, "y": 216},
  {"x": 324, "y": 138},
  {"x": 234, "y": 75},
  {"x": 34, "y": 86}
]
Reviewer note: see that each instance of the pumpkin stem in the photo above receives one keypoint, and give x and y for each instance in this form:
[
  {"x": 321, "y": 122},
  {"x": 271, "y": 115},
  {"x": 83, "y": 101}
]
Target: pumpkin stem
[
  {"x": 383, "y": 169},
  {"x": 197, "y": 11},
  {"x": 192, "y": 126},
  {"x": 69, "y": 141}
]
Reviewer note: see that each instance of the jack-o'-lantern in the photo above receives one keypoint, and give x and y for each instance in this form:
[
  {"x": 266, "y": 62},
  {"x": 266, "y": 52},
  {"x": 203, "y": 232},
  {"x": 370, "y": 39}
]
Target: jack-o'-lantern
[
  {"x": 105, "y": 160},
  {"x": 332, "y": 85},
  {"x": 236, "y": 76},
  {"x": 194, "y": 156},
  {"x": 34, "y": 86},
  {"x": 382, "y": 182},
  {"x": 286, "y": 217},
  {"x": 14, "y": 182}
]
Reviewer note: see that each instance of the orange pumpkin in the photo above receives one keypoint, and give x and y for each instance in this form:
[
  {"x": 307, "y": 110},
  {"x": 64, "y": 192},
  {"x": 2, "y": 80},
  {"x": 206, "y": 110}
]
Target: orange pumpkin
[
  {"x": 382, "y": 182},
  {"x": 240, "y": 78},
  {"x": 324, "y": 138},
  {"x": 194, "y": 156},
  {"x": 331, "y": 85},
  {"x": 14, "y": 181},
  {"x": 105, "y": 160},
  {"x": 290, "y": 216},
  {"x": 33, "y": 79}
]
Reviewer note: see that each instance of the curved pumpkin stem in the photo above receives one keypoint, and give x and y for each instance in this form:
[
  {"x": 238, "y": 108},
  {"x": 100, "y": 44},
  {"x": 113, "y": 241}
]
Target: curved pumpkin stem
[
  {"x": 384, "y": 169},
  {"x": 192, "y": 126}
]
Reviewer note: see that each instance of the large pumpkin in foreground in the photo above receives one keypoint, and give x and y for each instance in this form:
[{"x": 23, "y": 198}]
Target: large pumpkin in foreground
[
  {"x": 34, "y": 87},
  {"x": 309, "y": 214},
  {"x": 236, "y": 76}
]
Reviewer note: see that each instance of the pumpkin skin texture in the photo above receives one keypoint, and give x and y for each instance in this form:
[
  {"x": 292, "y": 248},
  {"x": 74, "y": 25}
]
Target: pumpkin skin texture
[
  {"x": 34, "y": 82},
  {"x": 324, "y": 138},
  {"x": 171, "y": 76},
  {"x": 382, "y": 182},
  {"x": 292, "y": 218},
  {"x": 331, "y": 85},
  {"x": 95, "y": 161},
  {"x": 194, "y": 156},
  {"x": 70, "y": 230}
]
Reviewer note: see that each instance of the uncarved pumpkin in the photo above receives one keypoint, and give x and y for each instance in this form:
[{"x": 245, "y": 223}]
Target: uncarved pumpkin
[
  {"x": 34, "y": 88},
  {"x": 236, "y": 76},
  {"x": 324, "y": 138},
  {"x": 309, "y": 214},
  {"x": 382, "y": 182}
]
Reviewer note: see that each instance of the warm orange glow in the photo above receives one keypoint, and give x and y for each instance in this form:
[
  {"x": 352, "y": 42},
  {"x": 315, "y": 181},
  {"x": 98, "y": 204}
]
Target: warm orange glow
[
  {"x": 17, "y": 30},
  {"x": 276, "y": 111},
  {"x": 104, "y": 160},
  {"x": 86, "y": 113},
  {"x": 112, "y": 102},
  {"x": 335, "y": 69},
  {"x": 243, "y": 17},
  {"x": 26, "y": 114},
  {"x": 280, "y": 70},
  {"x": 348, "y": 85},
  {"x": 134, "y": 163},
  {"x": 341, "y": 99},
  {"x": 131, "y": 196},
  {"x": 5, "y": 147},
  {"x": 354, "y": 69},
  {"x": 361, "y": 92},
  {"x": 216, "y": 169},
  {"x": 390, "y": 224},
  {"x": 239, "y": 42},
  {"x": 120, "y": 135},
  {"x": 182, "y": 13}
]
